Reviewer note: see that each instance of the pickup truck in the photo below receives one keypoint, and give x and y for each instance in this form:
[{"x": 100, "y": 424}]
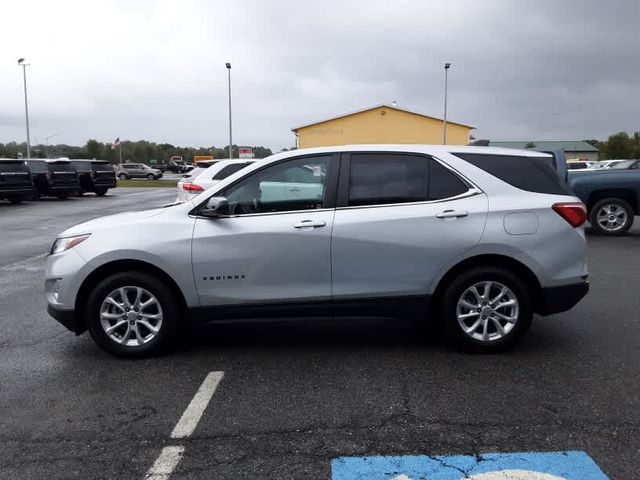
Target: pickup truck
[{"x": 612, "y": 197}]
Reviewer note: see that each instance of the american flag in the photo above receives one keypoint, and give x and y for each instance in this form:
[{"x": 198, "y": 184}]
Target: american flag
[{"x": 115, "y": 144}]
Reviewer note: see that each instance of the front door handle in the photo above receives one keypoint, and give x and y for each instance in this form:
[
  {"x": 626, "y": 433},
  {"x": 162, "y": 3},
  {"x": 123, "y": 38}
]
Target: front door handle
[
  {"x": 309, "y": 224},
  {"x": 452, "y": 214}
]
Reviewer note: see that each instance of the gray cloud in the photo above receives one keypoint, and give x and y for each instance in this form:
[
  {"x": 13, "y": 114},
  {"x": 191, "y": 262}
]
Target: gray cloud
[{"x": 155, "y": 70}]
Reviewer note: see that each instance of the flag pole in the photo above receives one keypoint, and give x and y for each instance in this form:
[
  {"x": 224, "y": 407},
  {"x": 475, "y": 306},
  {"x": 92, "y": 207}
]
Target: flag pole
[{"x": 120, "y": 150}]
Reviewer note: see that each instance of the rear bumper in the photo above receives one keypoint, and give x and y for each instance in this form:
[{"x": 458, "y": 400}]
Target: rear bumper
[
  {"x": 562, "y": 298},
  {"x": 67, "y": 318}
]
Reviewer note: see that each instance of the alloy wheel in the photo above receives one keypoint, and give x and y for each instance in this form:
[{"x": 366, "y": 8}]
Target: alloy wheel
[
  {"x": 131, "y": 316},
  {"x": 487, "y": 311},
  {"x": 611, "y": 217}
]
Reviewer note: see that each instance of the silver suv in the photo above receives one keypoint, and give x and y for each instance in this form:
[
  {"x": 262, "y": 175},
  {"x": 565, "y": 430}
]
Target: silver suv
[{"x": 480, "y": 238}]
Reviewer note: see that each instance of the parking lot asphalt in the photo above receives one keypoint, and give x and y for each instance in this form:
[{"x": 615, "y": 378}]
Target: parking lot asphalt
[{"x": 297, "y": 394}]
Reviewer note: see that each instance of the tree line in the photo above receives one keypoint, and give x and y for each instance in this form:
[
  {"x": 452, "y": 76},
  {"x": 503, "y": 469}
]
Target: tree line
[
  {"x": 618, "y": 145},
  {"x": 135, "y": 151}
]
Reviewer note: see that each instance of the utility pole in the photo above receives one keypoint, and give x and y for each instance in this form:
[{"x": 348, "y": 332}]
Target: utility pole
[
  {"x": 446, "y": 78},
  {"x": 26, "y": 103},
  {"x": 230, "y": 129}
]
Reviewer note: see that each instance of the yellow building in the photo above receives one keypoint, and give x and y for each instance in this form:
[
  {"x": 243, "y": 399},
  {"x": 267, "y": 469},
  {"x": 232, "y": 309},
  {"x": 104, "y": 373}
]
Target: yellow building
[{"x": 380, "y": 124}]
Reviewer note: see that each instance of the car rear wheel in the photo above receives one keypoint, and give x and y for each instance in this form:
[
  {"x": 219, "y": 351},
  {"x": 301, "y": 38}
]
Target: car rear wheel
[
  {"x": 101, "y": 191},
  {"x": 123, "y": 176},
  {"x": 486, "y": 309},
  {"x": 15, "y": 199},
  {"x": 611, "y": 216},
  {"x": 62, "y": 196},
  {"x": 132, "y": 314}
]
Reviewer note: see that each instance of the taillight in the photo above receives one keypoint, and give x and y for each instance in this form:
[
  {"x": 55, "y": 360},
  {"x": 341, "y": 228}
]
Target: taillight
[
  {"x": 575, "y": 213},
  {"x": 192, "y": 188}
]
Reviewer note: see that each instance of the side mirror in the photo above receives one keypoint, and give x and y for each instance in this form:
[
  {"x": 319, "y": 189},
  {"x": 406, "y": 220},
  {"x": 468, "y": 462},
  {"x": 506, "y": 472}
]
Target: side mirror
[{"x": 215, "y": 207}]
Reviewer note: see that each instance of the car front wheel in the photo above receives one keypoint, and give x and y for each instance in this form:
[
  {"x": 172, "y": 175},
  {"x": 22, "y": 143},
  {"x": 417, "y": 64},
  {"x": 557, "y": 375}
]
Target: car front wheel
[
  {"x": 151, "y": 176},
  {"x": 611, "y": 216},
  {"x": 132, "y": 314},
  {"x": 486, "y": 309}
]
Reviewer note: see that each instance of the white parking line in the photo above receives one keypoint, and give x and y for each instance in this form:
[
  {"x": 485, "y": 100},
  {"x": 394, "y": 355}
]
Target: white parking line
[
  {"x": 191, "y": 416},
  {"x": 165, "y": 464},
  {"x": 169, "y": 458}
]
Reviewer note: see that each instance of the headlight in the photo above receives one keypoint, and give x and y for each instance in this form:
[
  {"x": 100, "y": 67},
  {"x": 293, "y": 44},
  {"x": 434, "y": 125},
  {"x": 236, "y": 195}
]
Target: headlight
[{"x": 62, "y": 244}]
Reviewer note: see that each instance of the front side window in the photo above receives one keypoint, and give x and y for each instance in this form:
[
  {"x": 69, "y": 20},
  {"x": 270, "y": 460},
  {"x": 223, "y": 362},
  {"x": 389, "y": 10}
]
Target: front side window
[{"x": 291, "y": 185}]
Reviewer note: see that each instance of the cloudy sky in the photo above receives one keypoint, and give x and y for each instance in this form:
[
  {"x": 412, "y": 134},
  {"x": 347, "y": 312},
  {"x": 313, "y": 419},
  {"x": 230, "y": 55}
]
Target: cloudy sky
[{"x": 521, "y": 70}]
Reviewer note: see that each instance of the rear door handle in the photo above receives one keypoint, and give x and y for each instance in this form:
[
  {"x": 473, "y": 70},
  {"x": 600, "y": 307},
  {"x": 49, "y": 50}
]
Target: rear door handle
[
  {"x": 452, "y": 214},
  {"x": 309, "y": 224}
]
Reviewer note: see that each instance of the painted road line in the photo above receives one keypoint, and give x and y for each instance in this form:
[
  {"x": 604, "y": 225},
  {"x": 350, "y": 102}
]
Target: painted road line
[
  {"x": 570, "y": 465},
  {"x": 191, "y": 416},
  {"x": 165, "y": 464}
]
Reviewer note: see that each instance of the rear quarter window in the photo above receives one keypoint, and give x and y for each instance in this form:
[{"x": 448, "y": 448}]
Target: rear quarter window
[{"x": 533, "y": 174}]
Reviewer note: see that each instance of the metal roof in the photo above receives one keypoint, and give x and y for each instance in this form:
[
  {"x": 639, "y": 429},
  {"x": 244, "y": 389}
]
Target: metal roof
[
  {"x": 382, "y": 105},
  {"x": 566, "y": 145}
]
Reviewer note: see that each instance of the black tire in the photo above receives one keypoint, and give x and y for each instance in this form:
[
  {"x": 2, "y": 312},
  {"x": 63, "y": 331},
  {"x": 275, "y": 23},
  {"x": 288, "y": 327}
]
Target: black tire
[
  {"x": 62, "y": 196},
  {"x": 459, "y": 286},
  {"x": 123, "y": 176},
  {"x": 619, "y": 209},
  {"x": 151, "y": 176},
  {"x": 101, "y": 191},
  {"x": 15, "y": 199},
  {"x": 171, "y": 314}
]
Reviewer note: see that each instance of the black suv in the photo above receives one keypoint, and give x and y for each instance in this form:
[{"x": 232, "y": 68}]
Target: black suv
[
  {"x": 56, "y": 178},
  {"x": 96, "y": 176},
  {"x": 15, "y": 180}
]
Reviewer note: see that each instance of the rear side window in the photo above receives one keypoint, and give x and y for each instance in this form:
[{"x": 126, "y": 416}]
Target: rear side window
[
  {"x": 533, "y": 174},
  {"x": 102, "y": 167},
  {"x": 82, "y": 166},
  {"x": 376, "y": 179},
  {"x": 443, "y": 183},
  {"x": 37, "y": 166},
  {"x": 229, "y": 170},
  {"x": 386, "y": 178},
  {"x": 61, "y": 167},
  {"x": 18, "y": 166}
]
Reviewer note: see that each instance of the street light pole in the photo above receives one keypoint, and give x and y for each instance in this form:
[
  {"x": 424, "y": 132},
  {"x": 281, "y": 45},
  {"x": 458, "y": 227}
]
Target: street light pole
[
  {"x": 230, "y": 130},
  {"x": 26, "y": 104},
  {"x": 446, "y": 78}
]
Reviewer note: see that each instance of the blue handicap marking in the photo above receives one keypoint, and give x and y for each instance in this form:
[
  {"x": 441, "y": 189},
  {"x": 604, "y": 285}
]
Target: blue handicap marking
[{"x": 570, "y": 465}]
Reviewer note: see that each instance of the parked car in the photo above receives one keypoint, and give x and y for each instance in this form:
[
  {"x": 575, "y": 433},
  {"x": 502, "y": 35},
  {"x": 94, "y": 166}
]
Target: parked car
[
  {"x": 612, "y": 196},
  {"x": 604, "y": 164},
  {"x": 53, "y": 177},
  {"x": 479, "y": 237},
  {"x": 579, "y": 164},
  {"x": 137, "y": 170},
  {"x": 15, "y": 180},
  {"x": 200, "y": 179},
  {"x": 96, "y": 176}
]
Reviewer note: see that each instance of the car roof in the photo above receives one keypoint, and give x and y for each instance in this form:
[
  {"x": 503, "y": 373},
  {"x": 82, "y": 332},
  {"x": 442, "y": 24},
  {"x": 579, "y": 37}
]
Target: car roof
[
  {"x": 409, "y": 148},
  {"x": 49, "y": 160},
  {"x": 12, "y": 159}
]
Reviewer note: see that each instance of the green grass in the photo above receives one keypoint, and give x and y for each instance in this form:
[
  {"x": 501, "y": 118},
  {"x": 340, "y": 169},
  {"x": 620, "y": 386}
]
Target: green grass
[{"x": 148, "y": 183}]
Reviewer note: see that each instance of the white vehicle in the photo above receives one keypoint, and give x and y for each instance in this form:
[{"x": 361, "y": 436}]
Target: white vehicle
[
  {"x": 579, "y": 164},
  {"x": 479, "y": 238},
  {"x": 605, "y": 164},
  {"x": 199, "y": 179}
]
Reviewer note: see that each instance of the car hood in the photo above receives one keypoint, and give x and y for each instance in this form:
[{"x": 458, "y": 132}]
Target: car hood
[{"x": 110, "y": 221}]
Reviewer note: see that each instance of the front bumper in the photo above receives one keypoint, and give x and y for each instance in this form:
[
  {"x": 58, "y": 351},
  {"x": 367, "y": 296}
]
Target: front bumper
[
  {"x": 562, "y": 298},
  {"x": 67, "y": 318}
]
